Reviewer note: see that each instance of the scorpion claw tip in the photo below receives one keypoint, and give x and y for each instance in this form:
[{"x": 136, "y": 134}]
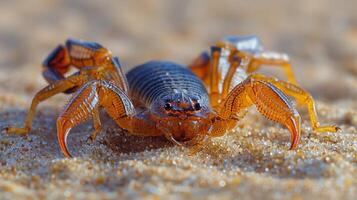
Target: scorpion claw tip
[
  {"x": 65, "y": 151},
  {"x": 294, "y": 128},
  {"x": 63, "y": 129}
]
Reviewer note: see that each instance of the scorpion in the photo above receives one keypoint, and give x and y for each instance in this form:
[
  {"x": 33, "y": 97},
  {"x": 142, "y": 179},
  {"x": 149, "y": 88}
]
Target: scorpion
[{"x": 185, "y": 104}]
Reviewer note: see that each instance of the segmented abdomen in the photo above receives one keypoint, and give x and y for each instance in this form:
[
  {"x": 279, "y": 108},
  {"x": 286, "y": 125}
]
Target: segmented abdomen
[{"x": 157, "y": 78}]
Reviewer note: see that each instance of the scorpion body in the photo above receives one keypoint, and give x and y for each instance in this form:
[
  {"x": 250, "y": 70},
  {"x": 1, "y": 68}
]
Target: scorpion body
[
  {"x": 169, "y": 92},
  {"x": 185, "y": 104},
  {"x": 155, "y": 79}
]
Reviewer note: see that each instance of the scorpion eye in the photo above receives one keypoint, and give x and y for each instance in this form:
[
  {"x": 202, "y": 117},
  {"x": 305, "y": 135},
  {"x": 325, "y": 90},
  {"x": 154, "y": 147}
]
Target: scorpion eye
[
  {"x": 167, "y": 106},
  {"x": 197, "y": 106}
]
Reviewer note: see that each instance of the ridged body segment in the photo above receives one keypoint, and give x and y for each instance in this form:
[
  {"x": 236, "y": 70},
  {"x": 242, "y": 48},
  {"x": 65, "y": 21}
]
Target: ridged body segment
[{"x": 154, "y": 79}]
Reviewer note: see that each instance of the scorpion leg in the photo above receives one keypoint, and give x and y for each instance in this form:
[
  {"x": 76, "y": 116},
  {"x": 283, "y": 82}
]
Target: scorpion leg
[
  {"x": 302, "y": 97},
  {"x": 207, "y": 69},
  {"x": 47, "y": 92},
  {"x": 214, "y": 76},
  {"x": 200, "y": 66},
  {"x": 236, "y": 61},
  {"x": 84, "y": 104},
  {"x": 97, "y": 125},
  {"x": 268, "y": 99},
  {"x": 272, "y": 58},
  {"x": 75, "y": 53}
]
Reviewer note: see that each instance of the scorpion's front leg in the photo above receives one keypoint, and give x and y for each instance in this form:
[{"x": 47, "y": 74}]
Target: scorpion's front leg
[
  {"x": 47, "y": 92},
  {"x": 268, "y": 99},
  {"x": 302, "y": 97},
  {"x": 86, "y": 103}
]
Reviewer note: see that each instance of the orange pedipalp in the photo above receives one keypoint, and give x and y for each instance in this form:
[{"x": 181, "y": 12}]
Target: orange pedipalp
[
  {"x": 63, "y": 128},
  {"x": 270, "y": 102},
  {"x": 293, "y": 124}
]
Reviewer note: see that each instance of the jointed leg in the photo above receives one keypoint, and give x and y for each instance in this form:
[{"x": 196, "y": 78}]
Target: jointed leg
[
  {"x": 96, "y": 59},
  {"x": 76, "y": 53},
  {"x": 302, "y": 97},
  {"x": 200, "y": 66},
  {"x": 214, "y": 76},
  {"x": 207, "y": 68},
  {"x": 96, "y": 125},
  {"x": 268, "y": 99},
  {"x": 275, "y": 59},
  {"x": 86, "y": 103},
  {"x": 237, "y": 60},
  {"x": 45, "y": 93}
]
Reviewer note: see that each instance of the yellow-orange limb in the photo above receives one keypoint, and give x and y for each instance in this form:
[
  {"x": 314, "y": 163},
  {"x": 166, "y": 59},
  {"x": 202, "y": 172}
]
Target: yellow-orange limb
[
  {"x": 228, "y": 78},
  {"x": 75, "y": 53},
  {"x": 268, "y": 99},
  {"x": 215, "y": 76},
  {"x": 97, "y": 125},
  {"x": 237, "y": 59},
  {"x": 200, "y": 66},
  {"x": 303, "y": 98},
  {"x": 273, "y": 59},
  {"x": 84, "y": 104},
  {"x": 79, "y": 53},
  {"x": 82, "y": 54},
  {"x": 45, "y": 93}
]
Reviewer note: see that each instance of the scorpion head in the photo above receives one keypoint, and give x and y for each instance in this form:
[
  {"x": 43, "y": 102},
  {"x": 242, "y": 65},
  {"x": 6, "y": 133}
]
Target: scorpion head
[{"x": 182, "y": 117}]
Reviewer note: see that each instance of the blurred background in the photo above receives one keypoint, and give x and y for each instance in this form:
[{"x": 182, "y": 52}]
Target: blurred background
[{"x": 320, "y": 35}]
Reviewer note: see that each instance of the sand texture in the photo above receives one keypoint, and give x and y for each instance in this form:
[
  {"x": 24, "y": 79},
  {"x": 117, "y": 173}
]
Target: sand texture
[{"x": 250, "y": 162}]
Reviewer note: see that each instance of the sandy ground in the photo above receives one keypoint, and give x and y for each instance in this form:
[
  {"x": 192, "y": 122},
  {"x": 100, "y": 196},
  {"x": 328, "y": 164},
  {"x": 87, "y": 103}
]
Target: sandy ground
[{"x": 251, "y": 162}]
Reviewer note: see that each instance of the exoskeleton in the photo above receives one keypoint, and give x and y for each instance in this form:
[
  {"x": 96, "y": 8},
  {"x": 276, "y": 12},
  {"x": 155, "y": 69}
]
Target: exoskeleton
[{"x": 162, "y": 98}]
